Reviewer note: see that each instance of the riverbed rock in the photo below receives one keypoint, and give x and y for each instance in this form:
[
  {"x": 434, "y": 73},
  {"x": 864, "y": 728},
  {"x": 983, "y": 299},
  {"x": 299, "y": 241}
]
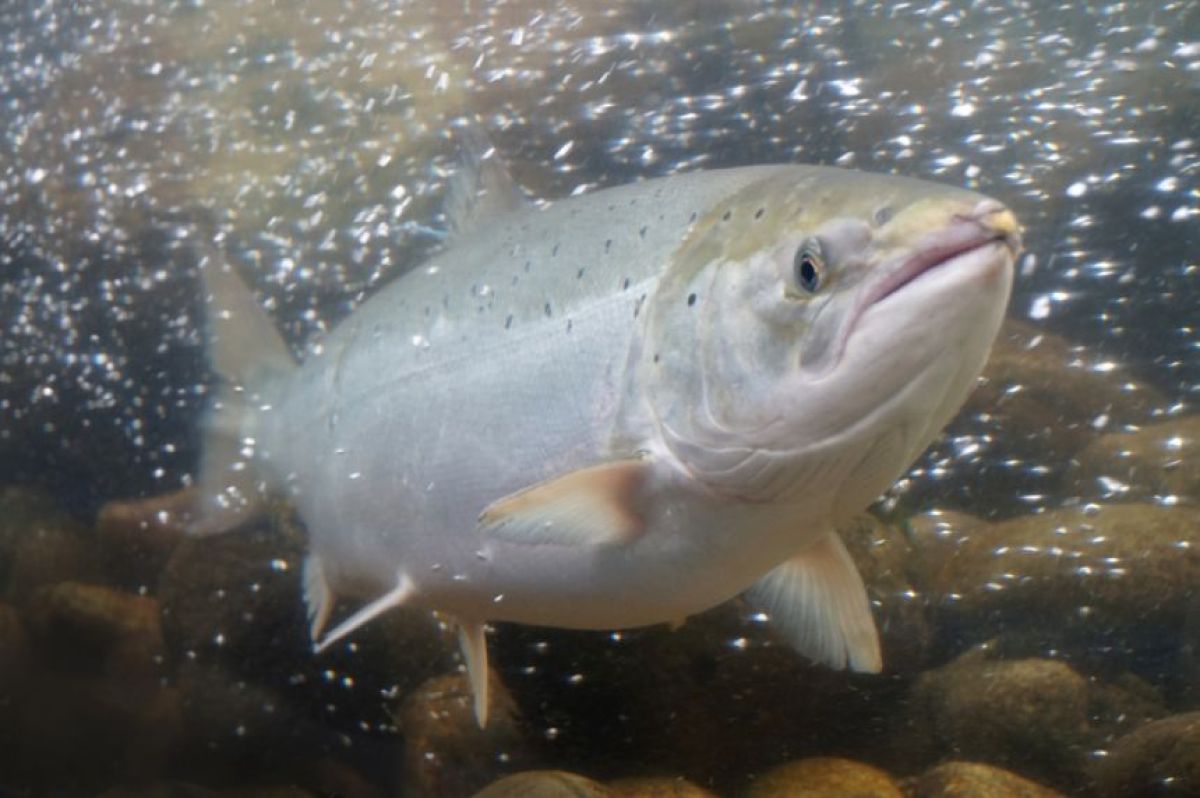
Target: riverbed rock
[
  {"x": 824, "y": 777},
  {"x": 1160, "y": 758},
  {"x": 1050, "y": 395},
  {"x": 1157, "y": 460},
  {"x": 1072, "y": 576},
  {"x": 544, "y": 784},
  {"x": 976, "y": 780},
  {"x": 119, "y": 633},
  {"x": 39, "y": 545},
  {"x": 445, "y": 751},
  {"x": 656, "y": 787},
  {"x": 1029, "y": 714},
  {"x": 136, "y": 537}
]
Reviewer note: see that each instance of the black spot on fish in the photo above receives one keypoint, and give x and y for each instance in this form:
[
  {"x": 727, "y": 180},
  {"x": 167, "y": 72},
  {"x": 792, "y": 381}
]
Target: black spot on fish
[
  {"x": 625, "y": 284},
  {"x": 726, "y": 216},
  {"x": 554, "y": 252},
  {"x": 549, "y": 313},
  {"x": 579, "y": 274},
  {"x": 758, "y": 213},
  {"x": 637, "y": 308},
  {"x": 642, "y": 232},
  {"x": 528, "y": 266},
  {"x": 516, "y": 279},
  {"x": 656, "y": 358},
  {"x": 692, "y": 218},
  {"x": 607, "y": 245},
  {"x": 691, "y": 300},
  {"x": 508, "y": 322},
  {"x": 570, "y": 324},
  {"x": 428, "y": 310},
  {"x": 883, "y": 216}
]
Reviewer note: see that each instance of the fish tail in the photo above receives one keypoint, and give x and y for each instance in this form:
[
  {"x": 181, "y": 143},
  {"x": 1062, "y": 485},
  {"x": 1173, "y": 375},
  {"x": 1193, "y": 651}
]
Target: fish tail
[{"x": 250, "y": 361}]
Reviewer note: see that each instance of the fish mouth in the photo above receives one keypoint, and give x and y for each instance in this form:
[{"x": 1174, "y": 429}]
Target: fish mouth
[{"x": 989, "y": 224}]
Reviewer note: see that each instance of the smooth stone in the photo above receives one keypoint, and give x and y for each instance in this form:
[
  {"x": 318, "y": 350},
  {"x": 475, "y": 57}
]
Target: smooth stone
[
  {"x": 976, "y": 780},
  {"x": 136, "y": 537},
  {"x": 657, "y": 787},
  {"x": 1041, "y": 391},
  {"x": 544, "y": 784},
  {"x": 1029, "y": 714},
  {"x": 445, "y": 751},
  {"x": 14, "y": 652},
  {"x": 1160, "y": 758},
  {"x": 1099, "y": 571},
  {"x": 40, "y": 545},
  {"x": 1157, "y": 460},
  {"x": 825, "y": 777},
  {"x": 99, "y": 624}
]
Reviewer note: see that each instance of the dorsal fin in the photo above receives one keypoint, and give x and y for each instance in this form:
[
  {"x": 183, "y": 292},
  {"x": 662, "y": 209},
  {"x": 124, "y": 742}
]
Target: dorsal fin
[{"x": 482, "y": 189}]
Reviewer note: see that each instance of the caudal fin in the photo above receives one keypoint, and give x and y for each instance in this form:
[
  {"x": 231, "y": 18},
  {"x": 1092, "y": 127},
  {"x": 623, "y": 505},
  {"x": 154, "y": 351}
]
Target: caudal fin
[{"x": 249, "y": 359}]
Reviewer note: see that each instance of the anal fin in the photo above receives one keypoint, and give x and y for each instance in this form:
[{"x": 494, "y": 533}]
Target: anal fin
[
  {"x": 390, "y": 600},
  {"x": 318, "y": 597},
  {"x": 817, "y": 601},
  {"x": 472, "y": 638}
]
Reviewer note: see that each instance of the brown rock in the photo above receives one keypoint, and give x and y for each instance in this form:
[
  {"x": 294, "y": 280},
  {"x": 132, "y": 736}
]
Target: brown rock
[
  {"x": 1048, "y": 398},
  {"x": 1160, "y": 758},
  {"x": 1160, "y": 459},
  {"x": 445, "y": 751},
  {"x": 163, "y": 789},
  {"x": 1123, "y": 704},
  {"x": 1030, "y": 714},
  {"x": 121, "y": 630},
  {"x": 975, "y": 780},
  {"x": 825, "y": 777},
  {"x": 544, "y": 784},
  {"x": 136, "y": 538},
  {"x": 656, "y": 787},
  {"x": 39, "y": 545},
  {"x": 1131, "y": 567},
  {"x": 236, "y": 597},
  {"x": 14, "y": 651}
]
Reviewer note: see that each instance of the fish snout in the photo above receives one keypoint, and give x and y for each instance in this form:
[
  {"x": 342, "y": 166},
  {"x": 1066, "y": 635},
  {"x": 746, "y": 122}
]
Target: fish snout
[{"x": 995, "y": 218}]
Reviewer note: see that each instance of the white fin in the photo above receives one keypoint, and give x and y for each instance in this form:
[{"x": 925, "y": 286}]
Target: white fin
[
  {"x": 482, "y": 189},
  {"x": 390, "y": 600},
  {"x": 818, "y": 603},
  {"x": 596, "y": 505},
  {"x": 249, "y": 358},
  {"x": 473, "y": 640},
  {"x": 318, "y": 597}
]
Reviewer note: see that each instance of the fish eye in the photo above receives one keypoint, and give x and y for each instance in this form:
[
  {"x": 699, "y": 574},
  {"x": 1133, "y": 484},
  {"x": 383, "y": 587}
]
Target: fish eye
[{"x": 809, "y": 266}]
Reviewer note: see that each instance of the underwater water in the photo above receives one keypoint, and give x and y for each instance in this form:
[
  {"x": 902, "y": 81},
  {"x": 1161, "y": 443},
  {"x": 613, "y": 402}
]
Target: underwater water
[{"x": 1034, "y": 575}]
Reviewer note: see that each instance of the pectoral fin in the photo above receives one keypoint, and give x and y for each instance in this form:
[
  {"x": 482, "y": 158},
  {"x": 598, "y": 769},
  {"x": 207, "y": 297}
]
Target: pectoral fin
[
  {"x": 817, "y": 601},
  {"x": 597, "y": 505},
  {"x": 318, "y": 597}
]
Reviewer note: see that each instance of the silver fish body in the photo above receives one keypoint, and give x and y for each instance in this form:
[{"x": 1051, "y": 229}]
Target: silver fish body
[{"x": 625, "y": 407}]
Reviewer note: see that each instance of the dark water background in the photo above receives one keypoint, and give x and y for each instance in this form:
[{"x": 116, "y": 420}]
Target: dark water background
[{"x": 316, "y": 137}]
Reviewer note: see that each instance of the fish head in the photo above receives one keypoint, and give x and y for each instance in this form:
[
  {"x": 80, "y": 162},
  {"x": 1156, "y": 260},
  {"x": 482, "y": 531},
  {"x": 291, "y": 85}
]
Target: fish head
[{"x": 822, "y": 326}]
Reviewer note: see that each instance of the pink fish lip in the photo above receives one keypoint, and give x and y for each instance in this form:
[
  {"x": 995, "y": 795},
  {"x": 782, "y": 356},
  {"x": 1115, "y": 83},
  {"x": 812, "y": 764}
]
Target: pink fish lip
[{"x": 987, "y": 224}]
